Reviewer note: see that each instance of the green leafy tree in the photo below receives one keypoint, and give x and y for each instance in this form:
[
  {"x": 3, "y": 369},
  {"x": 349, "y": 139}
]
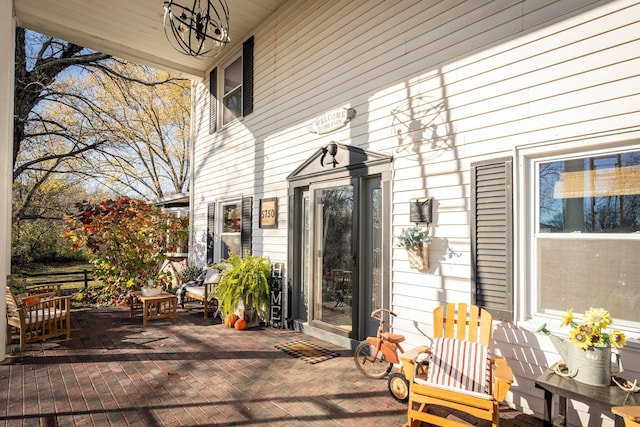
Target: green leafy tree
[{"x": 128, "y": 240}]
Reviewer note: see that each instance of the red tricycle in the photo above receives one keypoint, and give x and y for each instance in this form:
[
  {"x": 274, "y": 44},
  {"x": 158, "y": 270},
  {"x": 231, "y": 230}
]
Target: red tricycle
[{"x": 376, "y": 356}]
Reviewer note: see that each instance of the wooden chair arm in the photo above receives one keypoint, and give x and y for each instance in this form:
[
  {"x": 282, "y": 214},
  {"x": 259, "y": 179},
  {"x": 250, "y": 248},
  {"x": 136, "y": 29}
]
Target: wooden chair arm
[
  {"x": 631, "y": 414},
  {"x": 409, "y": 360},
  {"x": 50, "y": 301},
  {"x": 502, "y": 378},
  {"x": 41, "y": 295}
]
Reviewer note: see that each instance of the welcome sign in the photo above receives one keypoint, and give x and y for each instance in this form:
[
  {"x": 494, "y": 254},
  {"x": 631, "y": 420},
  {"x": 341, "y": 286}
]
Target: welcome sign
[{"x": 332, "y": 120}]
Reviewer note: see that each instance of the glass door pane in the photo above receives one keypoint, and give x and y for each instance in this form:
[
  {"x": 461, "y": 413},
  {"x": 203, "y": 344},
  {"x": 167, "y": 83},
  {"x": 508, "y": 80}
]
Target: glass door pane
[
  {"x": 372, "y": 273},
  {"x": 305, "y": 267},
  {"x": 334, "y": 256}
]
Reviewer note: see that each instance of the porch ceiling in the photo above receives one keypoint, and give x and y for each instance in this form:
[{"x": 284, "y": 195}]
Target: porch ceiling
[{"x": 133, "y": 30}]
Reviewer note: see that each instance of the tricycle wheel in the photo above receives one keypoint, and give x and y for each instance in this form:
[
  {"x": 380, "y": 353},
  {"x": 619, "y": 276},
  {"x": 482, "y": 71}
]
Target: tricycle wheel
[
  {"x": 379, "y": 367},
  {"x": 399, "y": 387}
]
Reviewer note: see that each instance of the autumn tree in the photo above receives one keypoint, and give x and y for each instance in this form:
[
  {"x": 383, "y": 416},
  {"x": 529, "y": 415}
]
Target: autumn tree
[
  {"x": 69, "y": 135},
  {"x": 128, "y": 240}
]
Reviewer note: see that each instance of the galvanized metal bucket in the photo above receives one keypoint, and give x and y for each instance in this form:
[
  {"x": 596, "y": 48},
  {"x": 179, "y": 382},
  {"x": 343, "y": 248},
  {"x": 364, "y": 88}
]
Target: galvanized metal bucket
[{"x": 592, "y": 366}]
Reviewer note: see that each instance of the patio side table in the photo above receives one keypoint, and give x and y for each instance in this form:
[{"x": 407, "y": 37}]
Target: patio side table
[
  {"x": 160, "y": 306},
  {"x": 602, "y": 398}
]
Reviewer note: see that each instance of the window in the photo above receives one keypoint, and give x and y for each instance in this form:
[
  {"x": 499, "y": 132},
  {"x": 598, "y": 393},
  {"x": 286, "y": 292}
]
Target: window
[
  {"x": 234, "y": 228},
  {"x": 231, "y": 228},
  {"x": 235, "y": 82},
  {"x": 232, "y": 95},
  {"x": 586, "y": 234},
  {"x": 182, "y": 246}
]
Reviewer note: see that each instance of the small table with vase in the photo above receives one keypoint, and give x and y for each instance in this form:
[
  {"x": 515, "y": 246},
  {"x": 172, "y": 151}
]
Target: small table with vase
[{"x": 155, "y": 305}]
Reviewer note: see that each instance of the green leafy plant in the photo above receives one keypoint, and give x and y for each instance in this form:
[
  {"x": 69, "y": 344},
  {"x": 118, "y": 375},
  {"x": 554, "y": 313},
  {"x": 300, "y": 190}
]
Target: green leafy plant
[
  {"x": 191, "y": 272},
  {"x": 17, "y": 284},
  {"x": 414, "y": 238},
  {"x": 245, "y": 280}
]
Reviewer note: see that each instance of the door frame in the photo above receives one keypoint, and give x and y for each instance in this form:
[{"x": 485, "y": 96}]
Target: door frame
[{"x": 351, "y": 163}]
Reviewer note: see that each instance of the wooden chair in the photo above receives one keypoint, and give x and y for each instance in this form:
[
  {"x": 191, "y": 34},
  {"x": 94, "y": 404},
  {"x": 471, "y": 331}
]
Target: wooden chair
[
  {"x": 55, "y": 289},
  {"x": 461, "y": 373},
  {"x": 201, "y": 292},
  {"x": 630, "y": 415},
  {"x": 42, "y": 316}
]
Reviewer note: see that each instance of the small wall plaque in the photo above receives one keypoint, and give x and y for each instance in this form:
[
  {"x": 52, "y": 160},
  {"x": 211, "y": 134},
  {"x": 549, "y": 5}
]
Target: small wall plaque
[{"x": 269, "y": 213}]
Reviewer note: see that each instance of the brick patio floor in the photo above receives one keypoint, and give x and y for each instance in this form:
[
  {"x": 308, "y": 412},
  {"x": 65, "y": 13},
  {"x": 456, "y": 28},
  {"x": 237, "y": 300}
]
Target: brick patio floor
[{"x": 116, "y": 372}]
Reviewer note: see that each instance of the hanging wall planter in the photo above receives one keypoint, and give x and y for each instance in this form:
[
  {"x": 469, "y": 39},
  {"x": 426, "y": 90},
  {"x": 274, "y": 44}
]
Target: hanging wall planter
[
  {"x": 419, "y": 258},
  {"x": 416, "y": 241}
]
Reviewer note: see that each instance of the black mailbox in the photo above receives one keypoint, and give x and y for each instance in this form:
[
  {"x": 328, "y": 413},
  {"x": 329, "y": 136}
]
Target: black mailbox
[{"x": 421, "y": 210}]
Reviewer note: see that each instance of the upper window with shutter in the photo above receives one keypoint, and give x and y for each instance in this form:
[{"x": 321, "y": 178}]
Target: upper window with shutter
[
  {"x": 232, "y": 92},
  {"x": 231, "y": 89},
  {"x": 492, "y": 236}
]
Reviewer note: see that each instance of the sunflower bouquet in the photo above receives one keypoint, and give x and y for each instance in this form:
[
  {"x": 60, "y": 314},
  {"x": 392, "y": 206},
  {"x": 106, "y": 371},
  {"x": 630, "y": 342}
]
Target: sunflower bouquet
[{"x": 592, "y": 331}]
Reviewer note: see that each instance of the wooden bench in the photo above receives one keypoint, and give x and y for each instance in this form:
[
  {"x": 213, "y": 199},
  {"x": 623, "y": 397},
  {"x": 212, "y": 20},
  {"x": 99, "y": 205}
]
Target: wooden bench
[
  {"x": 201, "y": 293},
  {"x": 42, "y": 316}
]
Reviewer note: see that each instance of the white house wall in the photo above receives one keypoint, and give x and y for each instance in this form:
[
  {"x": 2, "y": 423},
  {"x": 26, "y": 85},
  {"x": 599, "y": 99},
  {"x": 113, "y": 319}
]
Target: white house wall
[
  {"x": 7, "y": 49},
  {"x": 437, "y": 85}
]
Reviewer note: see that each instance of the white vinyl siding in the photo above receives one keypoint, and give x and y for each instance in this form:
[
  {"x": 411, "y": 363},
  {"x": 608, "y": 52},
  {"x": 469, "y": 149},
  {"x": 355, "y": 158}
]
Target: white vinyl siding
[{"x": 438, "y": 85}]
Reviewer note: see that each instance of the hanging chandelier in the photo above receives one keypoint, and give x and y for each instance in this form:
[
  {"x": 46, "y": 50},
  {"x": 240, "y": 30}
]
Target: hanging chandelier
[{"x": 199, "y": 30}]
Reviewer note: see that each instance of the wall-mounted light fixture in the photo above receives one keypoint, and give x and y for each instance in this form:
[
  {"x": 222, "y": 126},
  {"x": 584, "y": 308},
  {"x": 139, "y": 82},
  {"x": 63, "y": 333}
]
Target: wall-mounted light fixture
[
  {"x": 331, "y": 149},
  {"x": 198, "y": 28},
  {"x": 421, "y": 210}
]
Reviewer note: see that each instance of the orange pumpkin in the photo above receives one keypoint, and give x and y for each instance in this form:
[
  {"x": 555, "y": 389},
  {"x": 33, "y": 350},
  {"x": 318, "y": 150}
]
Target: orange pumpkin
[
  {"x": 230, "y": 320},
  {"x": 241, "y": 324}
]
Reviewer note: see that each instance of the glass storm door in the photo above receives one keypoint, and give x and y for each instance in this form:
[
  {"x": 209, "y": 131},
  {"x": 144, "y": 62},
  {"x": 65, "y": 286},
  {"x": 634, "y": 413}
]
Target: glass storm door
[{"x": 334, "y": 256}]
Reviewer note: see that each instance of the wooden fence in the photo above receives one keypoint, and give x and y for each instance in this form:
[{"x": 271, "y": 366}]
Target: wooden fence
[{"x": 68, "y": 277}]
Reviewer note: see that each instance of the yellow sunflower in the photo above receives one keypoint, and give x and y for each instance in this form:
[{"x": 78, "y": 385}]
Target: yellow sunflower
[
  {"x": 586, "y": 329},
  {"x": 579, "y": 338},
  {"x": 598, "y": 316},
  {"x": 567, "y": 318},
  {"x": 595, "y": 339},
  {"x": 618, "y": 339}
]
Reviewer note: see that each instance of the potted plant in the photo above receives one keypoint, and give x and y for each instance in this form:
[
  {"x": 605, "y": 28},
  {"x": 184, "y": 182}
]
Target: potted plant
[
  {"x": 587, "y": 353},
  {"x": 416, "y": 241},
  {"x": 244, "y": 286},
  {"x": 190, "y": 273}
]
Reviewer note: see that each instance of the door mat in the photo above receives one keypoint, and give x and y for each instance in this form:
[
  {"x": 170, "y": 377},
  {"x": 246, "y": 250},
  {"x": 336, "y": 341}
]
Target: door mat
[{"x": 307, "y": 351}]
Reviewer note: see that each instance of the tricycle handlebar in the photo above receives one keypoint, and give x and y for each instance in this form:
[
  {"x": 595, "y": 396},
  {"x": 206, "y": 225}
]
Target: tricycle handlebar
[{"x": 374, "y": 313}]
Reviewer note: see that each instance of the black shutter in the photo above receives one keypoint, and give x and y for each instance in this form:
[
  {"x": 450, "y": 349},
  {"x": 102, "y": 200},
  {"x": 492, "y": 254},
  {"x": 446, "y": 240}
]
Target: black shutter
[
  {"x": 492, "y": 236},
  {"x": 246, "y": 226},
  {"x": 213, "y": 100},
  {"x": 211, "y": 212},
  {"x": 247, "y": 77}
]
